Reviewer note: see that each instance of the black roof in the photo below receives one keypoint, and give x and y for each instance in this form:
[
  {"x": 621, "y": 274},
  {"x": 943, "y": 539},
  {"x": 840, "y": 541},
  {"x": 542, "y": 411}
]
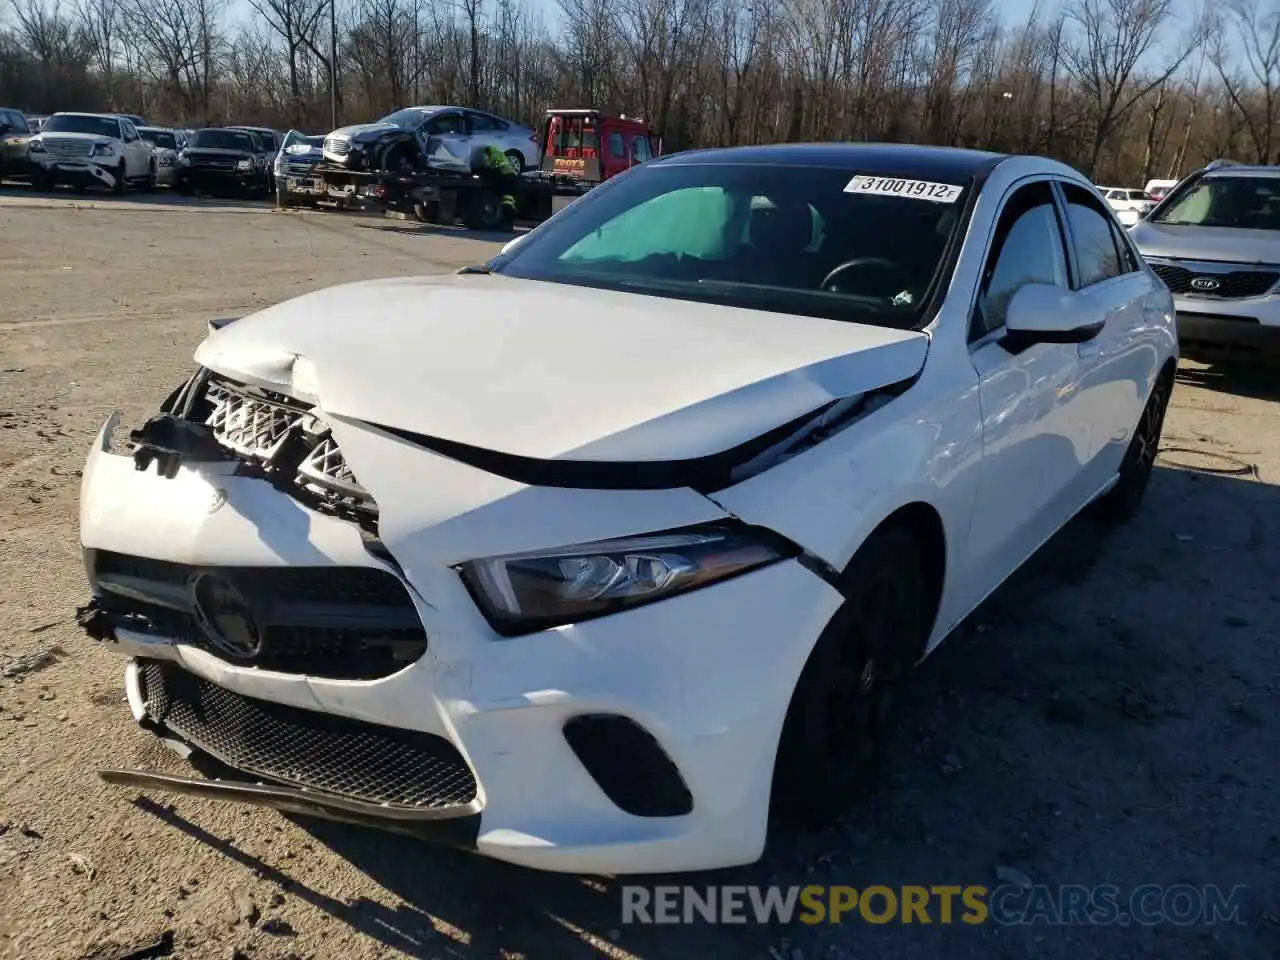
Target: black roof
[{"x": 941, "y": 164}]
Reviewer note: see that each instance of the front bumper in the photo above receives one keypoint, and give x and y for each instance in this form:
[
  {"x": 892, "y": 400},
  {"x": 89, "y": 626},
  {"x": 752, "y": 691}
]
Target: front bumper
[
  {"x": 76, "y": 173},
  {"x": 706, "y": 676},
  {"x": 1245, "y": 327},
  {"x": 217, "y": 180}
]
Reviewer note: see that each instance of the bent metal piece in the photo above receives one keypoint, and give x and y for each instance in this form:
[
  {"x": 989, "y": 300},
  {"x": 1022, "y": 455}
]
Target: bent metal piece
[{"x": 457, "y": 828}]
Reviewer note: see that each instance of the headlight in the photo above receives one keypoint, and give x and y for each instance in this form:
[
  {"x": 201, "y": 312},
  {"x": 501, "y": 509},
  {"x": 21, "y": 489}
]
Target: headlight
[
  {"x": 244, "y": 164},
  {"x": 525, "y": 592},
  {"x": 35, "y": 146},
  {"x": 103, "y": 149}
]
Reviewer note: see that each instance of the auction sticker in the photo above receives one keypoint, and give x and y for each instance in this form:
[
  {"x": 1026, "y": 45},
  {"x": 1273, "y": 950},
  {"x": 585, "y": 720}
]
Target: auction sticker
[{"x": 895, "y": 187}]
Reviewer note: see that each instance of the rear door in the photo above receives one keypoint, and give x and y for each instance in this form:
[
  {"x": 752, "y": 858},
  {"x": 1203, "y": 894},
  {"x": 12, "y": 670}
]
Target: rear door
[
  {"x": 451, "y": 131},
  {"x": 1117, "y": 366},
  {"x": 137, "y": 152}
]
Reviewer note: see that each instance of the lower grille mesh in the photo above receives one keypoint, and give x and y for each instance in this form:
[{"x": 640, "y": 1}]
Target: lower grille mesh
[{"x": 303, "y": 748}]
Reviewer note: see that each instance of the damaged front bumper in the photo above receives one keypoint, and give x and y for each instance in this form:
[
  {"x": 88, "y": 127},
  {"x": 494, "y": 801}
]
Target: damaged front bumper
[
  {"x": 75, "y": 173},
  {"x": 634, "y": 743}
]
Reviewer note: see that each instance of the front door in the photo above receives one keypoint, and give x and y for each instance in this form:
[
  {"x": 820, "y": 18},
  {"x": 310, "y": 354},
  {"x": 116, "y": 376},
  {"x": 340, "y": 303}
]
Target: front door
[{"x": 1036, "y": 440}]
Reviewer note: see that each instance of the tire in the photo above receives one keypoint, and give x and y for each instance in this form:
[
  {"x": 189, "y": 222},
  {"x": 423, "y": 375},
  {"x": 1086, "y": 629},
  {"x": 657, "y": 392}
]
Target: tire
[
  {"x": 1123, "y": 501},
  {"x": 840, "y": 723},
  {"x": 122, "y": 184},
  {"x": 482, "y": 210},
  {"x": 516, "y": 159},
  {"x": 284, "y": 201},
  {"x": 151, "y": 177}
]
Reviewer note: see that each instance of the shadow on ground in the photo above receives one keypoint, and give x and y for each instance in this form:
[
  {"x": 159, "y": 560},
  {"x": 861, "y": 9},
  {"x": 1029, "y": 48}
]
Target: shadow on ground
[
  {"x": 1260, "y": 381},
  {"x": 1107, "y": 717}
]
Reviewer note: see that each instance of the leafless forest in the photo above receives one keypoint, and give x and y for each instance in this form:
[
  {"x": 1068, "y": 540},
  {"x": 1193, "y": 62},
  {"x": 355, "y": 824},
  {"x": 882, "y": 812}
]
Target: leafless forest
[{"x": 1125, "y": 90}]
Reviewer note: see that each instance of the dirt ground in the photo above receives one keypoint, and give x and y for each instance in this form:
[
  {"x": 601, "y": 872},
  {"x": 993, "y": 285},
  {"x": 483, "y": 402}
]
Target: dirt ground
[{"x": 1109, "y": 718}]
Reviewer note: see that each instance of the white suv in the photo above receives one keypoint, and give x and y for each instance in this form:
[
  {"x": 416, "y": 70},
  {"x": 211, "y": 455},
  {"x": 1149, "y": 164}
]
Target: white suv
[
  {"x": 1130, "y": 206},
  {"x": 90, "y": 149}
]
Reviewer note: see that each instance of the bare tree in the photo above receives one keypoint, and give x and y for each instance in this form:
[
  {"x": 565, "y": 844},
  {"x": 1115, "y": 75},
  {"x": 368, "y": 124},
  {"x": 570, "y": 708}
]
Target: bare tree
[
  {"x": 1258, "y": 37},
  {"x": 1115, "y": 37}
]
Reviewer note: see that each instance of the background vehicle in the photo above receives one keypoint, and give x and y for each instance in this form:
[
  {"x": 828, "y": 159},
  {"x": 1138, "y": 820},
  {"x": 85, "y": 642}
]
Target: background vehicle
[
  {"x": 1129, "y": 205},
  {"x": 1215, "y": 241},
  {"x": 449, "y": 135},
  {"x": 595, "y": 145},
  {"x": 165, "y": 151},
  {"x": 295, "y": 167},
  {"x": 15, "y": 132},
  {"x": 222, "y": 160},
  {"x": 36, "y": 121},
  {"x": 88, "y": 149},
  {"x": 854, "y": 410},
  {"x": 1156, "y": 189},
  {"x": 271, "y": 141},
  {"x": 133, "y": 118}
]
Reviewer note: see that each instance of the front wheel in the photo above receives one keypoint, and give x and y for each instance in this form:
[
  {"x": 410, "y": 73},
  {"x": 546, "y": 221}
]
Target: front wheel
[
  {"x": 841, "y": 721},
  {"x": 1122, "y": 501},
  {"x": 122, "y": 182}
]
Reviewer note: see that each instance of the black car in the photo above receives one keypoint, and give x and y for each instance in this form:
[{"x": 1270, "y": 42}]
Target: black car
[{"x": 218, "y": 160}]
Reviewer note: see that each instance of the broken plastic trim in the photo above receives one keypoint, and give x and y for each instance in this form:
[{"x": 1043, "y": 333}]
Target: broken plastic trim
[
  {"x": 458, "y": 829},
  {"x": 706, "y": 475}
]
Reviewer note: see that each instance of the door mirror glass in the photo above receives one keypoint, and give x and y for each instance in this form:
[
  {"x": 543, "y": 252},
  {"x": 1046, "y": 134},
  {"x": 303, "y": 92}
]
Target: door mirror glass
[{"x": 1045, "y": 313}]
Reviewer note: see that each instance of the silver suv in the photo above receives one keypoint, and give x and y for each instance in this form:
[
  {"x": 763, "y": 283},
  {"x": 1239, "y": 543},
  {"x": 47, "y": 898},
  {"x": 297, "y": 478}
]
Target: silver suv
[{"x": 1215, "y": 242}]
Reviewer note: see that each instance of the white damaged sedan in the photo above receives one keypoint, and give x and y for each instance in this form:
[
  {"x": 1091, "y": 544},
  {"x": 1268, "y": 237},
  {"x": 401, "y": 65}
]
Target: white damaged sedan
[{"x": 608, "y": 555}]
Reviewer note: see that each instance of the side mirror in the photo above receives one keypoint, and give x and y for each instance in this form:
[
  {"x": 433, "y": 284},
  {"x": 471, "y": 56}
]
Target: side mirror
[{"x": 1044, "y": 313}]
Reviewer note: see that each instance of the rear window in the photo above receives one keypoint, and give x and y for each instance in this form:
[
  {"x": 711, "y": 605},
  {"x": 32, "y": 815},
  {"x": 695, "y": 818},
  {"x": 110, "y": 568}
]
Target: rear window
[
  {"x": 795, "y": 239},
  {"x": 161, "y": 138},
  {"x": 1251, "y": 203},
  {"x": 574, "y": 137}
]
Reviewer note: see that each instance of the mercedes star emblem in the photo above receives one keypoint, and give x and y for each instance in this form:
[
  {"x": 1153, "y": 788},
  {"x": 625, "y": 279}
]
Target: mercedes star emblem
[{"x": 224, "y": 616}]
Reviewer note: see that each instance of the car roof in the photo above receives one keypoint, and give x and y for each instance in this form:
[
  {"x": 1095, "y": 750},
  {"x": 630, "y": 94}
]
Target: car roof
[
  {"x": 77, "y": 113},
  {"x": 1241, "y": 170},
  {"x": 943, "y": 164}
]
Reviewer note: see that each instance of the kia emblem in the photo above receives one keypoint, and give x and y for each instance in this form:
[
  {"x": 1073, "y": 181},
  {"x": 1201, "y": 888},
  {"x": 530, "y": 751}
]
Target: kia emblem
[{"x": 1205, "y": 284}]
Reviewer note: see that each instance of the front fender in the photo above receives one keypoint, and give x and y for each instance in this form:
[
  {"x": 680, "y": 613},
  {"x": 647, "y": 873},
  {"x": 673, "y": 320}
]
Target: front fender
[{"x": 924, "y": 446}]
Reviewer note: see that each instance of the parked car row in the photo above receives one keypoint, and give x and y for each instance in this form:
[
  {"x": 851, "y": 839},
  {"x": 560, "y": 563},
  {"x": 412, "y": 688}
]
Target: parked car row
[{"x": 119, "y": 151}]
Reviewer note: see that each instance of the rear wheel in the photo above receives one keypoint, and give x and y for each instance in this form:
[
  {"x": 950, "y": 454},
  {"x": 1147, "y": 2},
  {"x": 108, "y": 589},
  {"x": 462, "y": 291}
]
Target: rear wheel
[
  {"x": 841, "y": 719},
  {"x": 1122, "y": 501},
  {"x": 483, "y": 210},
  {"x": 516, "y": 159}
]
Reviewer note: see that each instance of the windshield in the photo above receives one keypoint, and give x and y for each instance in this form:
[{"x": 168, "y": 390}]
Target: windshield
[
  {"x": 1252, "y": 203},
  {"x": 410, "y": 118},
  {"x": 804, "y": 240},
  {"x": 75, "y": 123},
  {"x": 161, "y": 138},
  {"x": 223, "y": 140},
  {"x": 295, "y": 142}
]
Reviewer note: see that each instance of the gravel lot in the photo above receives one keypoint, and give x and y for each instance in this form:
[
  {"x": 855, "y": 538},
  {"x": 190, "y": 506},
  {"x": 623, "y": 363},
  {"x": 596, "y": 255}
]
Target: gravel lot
[{"x": 1107, "y": 719}]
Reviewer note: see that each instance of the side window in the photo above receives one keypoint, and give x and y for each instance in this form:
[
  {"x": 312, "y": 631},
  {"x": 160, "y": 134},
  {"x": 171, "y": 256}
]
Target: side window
[
  {"x": 449, "y": 123},
  {"x": 1027, "y": 248},
  {"x": 130, "y": 134},
  {"x": 1092, "y": 237},
  {"x": 480, "y": 123},
  {"x": 617, "y": 146},
  {"x": 1129, "y": 262},
  {"x": 640, "y": 149}
]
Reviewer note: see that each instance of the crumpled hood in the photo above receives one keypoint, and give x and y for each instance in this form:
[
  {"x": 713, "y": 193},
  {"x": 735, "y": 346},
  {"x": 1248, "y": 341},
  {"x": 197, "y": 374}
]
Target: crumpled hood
[
  {"x": 1227, "y": 244},
  {"x": 364, "y": 131},
  {"x": 552, "y": 371}
]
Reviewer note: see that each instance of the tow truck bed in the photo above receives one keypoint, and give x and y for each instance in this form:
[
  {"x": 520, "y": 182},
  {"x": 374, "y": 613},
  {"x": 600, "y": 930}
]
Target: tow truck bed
[{"x": 443, "y": 196}]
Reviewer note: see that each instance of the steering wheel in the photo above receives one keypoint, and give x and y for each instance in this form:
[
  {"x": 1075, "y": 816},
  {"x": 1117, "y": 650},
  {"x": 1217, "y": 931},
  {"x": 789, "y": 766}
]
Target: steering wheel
[{"x": 899, "y": 273}]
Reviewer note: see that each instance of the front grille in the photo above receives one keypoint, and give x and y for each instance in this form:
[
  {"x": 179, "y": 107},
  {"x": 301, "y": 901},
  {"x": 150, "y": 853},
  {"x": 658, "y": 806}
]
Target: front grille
[
  {"x": 212, "y": 162},
  {"x": 338, "y": 146},
  {"x": 285, "y": 437},
  {"x": 316, "y": 751},
  {"x": 346, "y": 623},
  {"x": 1234, "y": 285},
  {"x": 298, "y": 169},
  {"x": 69, "y": 148}
]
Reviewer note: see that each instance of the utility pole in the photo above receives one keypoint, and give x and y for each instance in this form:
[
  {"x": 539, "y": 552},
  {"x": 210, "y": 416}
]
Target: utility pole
[{"x": 333, "y": 65}]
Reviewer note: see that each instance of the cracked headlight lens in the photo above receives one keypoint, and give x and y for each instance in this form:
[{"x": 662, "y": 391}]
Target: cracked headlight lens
[{"x": 525, "y": 592}]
